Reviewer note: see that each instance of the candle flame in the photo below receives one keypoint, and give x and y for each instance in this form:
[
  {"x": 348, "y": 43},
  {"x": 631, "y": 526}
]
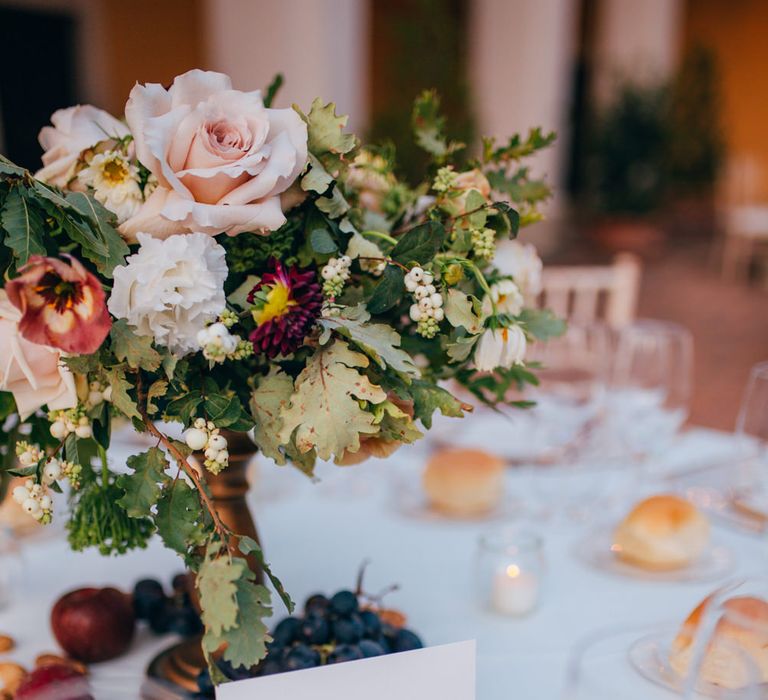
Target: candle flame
[{"x": 513, "y": 571}]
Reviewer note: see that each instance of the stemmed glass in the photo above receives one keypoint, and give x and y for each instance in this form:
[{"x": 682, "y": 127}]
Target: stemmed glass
[
  {"x": 650, "y": 386},
  {"x": 752, "y": 421}
]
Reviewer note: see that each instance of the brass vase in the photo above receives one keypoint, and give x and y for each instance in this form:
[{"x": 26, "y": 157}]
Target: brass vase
[{"x": 181, "y": 663}]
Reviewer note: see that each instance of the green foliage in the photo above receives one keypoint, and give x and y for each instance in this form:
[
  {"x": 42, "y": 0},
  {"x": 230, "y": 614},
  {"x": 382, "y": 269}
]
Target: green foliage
[
  {"x": 136, "y": 350},
  {"x": 270, "y": 398},
  {"x": 429, "y": 397},
  {"x": 179, "y": 519},
  {"x": 327, "y": 140},
  {"x": 461, "y": 311},
  {"x": 419, "y": 244},
  {"x": 272, "y": 89},
  {"x": 429, "y": 126},
  {"x": 325, "y": 408},
  {"x": 388, "y": 292},
  {"x": 142, "y": 488},
  {"x": 542, "y": 324}
]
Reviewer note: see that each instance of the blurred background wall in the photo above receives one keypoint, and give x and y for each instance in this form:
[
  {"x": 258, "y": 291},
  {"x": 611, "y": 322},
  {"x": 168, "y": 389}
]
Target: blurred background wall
[{"x": 660, "y": 108}]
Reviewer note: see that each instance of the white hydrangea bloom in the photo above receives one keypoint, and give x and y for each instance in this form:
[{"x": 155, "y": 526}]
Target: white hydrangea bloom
[
  {"x": 115, "y": 183},
  {"x": 171, "y": 289},
  {"x": 507, "y": 297},
  {"x": 500, "y": 347}
]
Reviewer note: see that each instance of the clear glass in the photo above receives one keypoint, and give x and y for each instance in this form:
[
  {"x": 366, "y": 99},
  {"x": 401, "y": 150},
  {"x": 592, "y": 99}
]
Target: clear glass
[
  {"x": 510, "y": 571},
  {"x": 752, "y": 422},
  {"x": 650, "y": 386},
  {"x": 634, "y": 663}
]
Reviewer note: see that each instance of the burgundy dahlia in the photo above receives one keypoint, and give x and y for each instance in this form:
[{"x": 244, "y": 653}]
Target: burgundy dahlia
[{"x": 287, "y": 303}]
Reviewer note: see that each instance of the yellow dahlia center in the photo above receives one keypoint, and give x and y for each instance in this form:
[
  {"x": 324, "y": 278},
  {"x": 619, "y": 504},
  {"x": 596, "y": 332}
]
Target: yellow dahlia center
[
  {"x": 278, "y": 302},
  {"x": 115, "y": 171}
]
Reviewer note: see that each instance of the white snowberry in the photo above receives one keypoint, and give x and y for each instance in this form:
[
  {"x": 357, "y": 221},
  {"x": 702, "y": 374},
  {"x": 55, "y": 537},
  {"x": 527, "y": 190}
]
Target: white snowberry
[
  {"x": 437, "y": 300},
  {"x": 425, "y": 304},
  {"x": 84, "y": 431},
  {"x": 415, "y": 312},
  {"x": 217, "y": 442},
  {"x": 438, "y": 314},
  {"x": 31, "y": 506},
  {"x": 58, "y": 430},
  {"x": 52, "y": 471},
  {"x": 196, "y": 438},
  {"x": 417, "y": 274},
  {"x": 20, "y": 494},
  {"x": 223, "y": 457},
  {"x": 46, "y": 503}
]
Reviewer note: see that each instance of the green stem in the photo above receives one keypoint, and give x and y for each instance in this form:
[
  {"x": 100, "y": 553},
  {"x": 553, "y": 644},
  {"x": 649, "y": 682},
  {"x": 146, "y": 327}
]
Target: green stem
[
  {"x": 383, "y": 236},
  {"x": 479, "y": 276},
  {"x": 104, "y": 465}
]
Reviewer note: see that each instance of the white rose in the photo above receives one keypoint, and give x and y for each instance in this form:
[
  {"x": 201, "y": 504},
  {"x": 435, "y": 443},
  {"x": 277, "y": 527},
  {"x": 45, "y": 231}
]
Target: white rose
[
  {"x": 500, "y": 347},
  {"x": 74, "y": 129},
  {"x": 523, "y": 264},
  {"x": 171, "y": 289},
  {"x": 507, "y": 298},
  {"x": 221, "y": 158}
]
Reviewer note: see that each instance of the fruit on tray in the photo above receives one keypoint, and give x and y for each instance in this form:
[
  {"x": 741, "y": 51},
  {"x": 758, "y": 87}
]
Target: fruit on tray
[
  {"x": 54, "y": 682},
  {"x": 330, "y": 631},
  {"x": 93, "y": 624},
  {"x": 175, "y": 613}
]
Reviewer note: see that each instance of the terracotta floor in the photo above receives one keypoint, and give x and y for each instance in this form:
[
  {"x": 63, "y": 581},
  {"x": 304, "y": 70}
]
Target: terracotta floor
[{"x": 729, "y": 323}]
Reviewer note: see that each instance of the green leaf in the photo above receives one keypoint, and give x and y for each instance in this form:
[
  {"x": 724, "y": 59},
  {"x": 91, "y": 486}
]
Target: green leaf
[
  {"x": 247, "y": 642},
  {"x": 240, "y": 296},
  {"x": 8, "y": 168},
  {"x": 509, "y": 217},
  {"x": 428, "y": 398},
  {"x": 179, "y": 517},
  {"x": 322, "y": 242},
  {"x": 274, "y": 86},
  {"x": 388, "y": 292},
  {"x": 428, "y": 126},
  {"x": 184, "y": 407},
  {"x": 216, "y": 584},
  {"x": 70, "y": 449},
  {"x": 143, "y": 487},
  {"x": 542, "y": 323},
  {"x": 420, "y": 244},
  {"x": 460, "y": 312},
  {"x": 135, "y": 349},
  {"x": 334, "y": 205},
  {"x": 325, "y": 409},
  {"x": 156, "y": 390},
  {"x": 317, "y": 178},
  {"x": 121, "y": 399},
  {"x": 476, "y": 204},
  {"x": 248, "y": 546},
  {"x": 270, "y": 397},
  {"x": 224, "y": 409},
  {"x": 7, "y": 403},
  {"x": 102, "y": 244},
  {"x": 380, "y": 341},
  {"x": 326, "y": 137},
  {"x": 460, "y": 348},
  {"x": 24, "y": 227}
]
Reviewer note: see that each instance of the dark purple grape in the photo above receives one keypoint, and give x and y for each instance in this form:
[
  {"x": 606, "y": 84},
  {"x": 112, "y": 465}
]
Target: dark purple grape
[
  {"x": 301, "y": 656},
  {"x": 371, "y": 624},
  {"x": 347, "y": 630},
  {"x": 160, "y": 617},
  {"x": 148, "y": 594},
  {"x": 286, "y": 632},
  {"x": 205, "y": 684},
  {"x": 315, "y": 629},
  {"x": 344, "y": 652},
  {"x": 371, "y": 648},
  {"x": 389, "y": 633},
  {"x": 180, "y": 583},
  {"x": 407, "y": 641},
  {"x": 185, "y": 622},
  {"x": 344, "y": 603},
  {"x": 234, "y": 673},
  {"x": 316, "y": 604}
]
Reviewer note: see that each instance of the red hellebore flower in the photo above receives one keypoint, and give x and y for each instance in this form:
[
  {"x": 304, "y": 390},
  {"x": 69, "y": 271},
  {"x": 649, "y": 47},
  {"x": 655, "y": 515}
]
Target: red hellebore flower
[
  {"x": 62, "y": 305},
  {"x": 287, "y": 303}
]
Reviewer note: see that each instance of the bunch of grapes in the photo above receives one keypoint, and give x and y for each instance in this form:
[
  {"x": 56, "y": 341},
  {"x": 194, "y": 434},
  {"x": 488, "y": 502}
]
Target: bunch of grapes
[
  {"x": 174, "y": 613},
  {"x": 331, "y": 631}
]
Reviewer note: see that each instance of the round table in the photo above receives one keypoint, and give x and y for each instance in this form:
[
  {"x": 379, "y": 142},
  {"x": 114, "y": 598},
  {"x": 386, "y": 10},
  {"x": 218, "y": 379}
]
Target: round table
[{"x": 316, "y": 535}]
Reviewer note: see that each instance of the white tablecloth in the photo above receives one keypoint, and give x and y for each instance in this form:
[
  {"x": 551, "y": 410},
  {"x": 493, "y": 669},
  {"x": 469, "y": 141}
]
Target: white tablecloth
[{"x": 316, "y": 536}]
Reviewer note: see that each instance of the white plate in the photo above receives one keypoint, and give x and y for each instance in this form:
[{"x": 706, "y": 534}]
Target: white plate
[{"x": 594, "y": 550}]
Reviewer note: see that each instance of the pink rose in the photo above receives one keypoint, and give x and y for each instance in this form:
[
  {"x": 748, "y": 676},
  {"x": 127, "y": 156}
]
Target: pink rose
[
  {"x": 74, "y": 130},
  {"x": 220, "y": 157},
  {"x": 33, "y": 373}
]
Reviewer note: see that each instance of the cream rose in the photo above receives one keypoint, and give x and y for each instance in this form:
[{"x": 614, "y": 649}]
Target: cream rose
[
  {"x": 74, "y": 130},
  {"x": 33, "y": 373},
  {"x": 221, "y": 158}
]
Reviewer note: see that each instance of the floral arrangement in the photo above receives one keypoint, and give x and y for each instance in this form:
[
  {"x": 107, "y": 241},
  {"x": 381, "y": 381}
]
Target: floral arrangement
[{"x": 230, "y": 267}]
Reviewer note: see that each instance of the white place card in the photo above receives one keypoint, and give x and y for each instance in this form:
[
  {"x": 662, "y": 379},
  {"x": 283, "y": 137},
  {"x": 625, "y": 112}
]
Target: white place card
[{"x": 446, "y": 672}]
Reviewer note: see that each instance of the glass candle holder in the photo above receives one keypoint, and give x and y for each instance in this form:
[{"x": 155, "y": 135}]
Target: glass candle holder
[
  {"x": 11, "y": 567},
  {"x": 510, "y": 571}
]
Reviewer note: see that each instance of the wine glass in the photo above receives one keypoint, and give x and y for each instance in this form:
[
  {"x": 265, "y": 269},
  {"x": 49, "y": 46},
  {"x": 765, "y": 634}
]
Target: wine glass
[
  {"x": 650, "y": 386},
  {"x": 723, "y": 643},
  {"x": 633, "y": 663},
  {"x": 752, "y": 421}
]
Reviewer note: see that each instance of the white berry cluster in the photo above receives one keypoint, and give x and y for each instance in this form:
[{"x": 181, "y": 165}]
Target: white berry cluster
[
  {"x": 445, "y": 179},
  {"x": 205, "y": 437},
  {"x": 98, "y": 392},
  {"x": 71, "y": 420},
  {"x": 427, "y": 311},
  {"x": 335, "y": 273},
  {"x": 34, "y": 497},
  {"x": 218, "y": 343},
  {"x": 484, "y": 243}
]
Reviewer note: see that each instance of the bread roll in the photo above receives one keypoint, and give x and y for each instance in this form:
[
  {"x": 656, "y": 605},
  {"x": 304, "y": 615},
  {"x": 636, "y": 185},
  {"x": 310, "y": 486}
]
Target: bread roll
[
  {"x": 662, "y": 532},
  {"x": 739, "y": 647},
  {"x": 464, "y": 483}
]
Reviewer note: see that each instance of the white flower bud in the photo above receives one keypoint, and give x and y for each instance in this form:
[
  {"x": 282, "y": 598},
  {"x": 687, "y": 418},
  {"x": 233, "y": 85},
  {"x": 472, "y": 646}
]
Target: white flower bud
[
  {"x": 195, "y": 438},
  {"x": 84, "y": 431},
  {"x": 58, "y": 430},
  {"x": 20, "y": 494},
  {"x": 437, "y": 300},
  {"x": 217, "y": 442},
  {"x": 415, "y": 313}
]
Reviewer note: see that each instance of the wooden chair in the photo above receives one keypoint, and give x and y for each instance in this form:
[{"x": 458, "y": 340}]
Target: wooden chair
[{"x": 593, "y": 293}]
